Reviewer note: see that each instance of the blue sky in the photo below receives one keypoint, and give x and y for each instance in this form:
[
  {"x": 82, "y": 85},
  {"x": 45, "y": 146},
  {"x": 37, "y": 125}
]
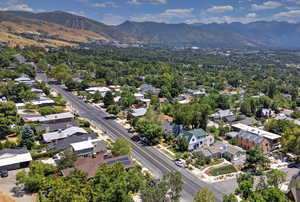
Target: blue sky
[{"x": 168, "y": 11}]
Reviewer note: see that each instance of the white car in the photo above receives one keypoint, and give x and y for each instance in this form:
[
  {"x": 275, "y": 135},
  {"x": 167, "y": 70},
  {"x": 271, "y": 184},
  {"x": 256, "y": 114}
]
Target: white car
[{"x": 179, "y": 164}]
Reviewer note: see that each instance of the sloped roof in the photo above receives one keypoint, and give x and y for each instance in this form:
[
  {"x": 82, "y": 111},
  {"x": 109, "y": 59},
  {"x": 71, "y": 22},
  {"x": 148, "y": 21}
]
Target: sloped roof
[
  {"x": 66, "y": 142},
  {"x": 14, "y": 156},
  {"x": 48, "y": 137},
  {"x": 198, "y": 133}
]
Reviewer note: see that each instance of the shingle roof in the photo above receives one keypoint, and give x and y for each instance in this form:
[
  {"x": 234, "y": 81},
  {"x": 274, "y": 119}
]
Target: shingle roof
[
  {"x": 51, "y": 127},
  {"x": 251, "y": 137},
  {"x": 198, "y": 133},
  {"x": 89, "y": 165},
  {"x": 65, "y": 143}
]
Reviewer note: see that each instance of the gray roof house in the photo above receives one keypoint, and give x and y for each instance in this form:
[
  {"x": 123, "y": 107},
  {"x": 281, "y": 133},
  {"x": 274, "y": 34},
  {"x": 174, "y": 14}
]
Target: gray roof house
[
  {"x": 52, "y": 127},
  {"x": 224, "y": 115},
  {"x": 197, "y": 138},
  {"x": 88, "y": 147},
  {"x": 66, "y": 142},
  {"x": 172, "y": 128},
  {"x": 11, "y": 159},
  {"x": 223, "y": 150},
  {"x": 147, "y": 88},
  {"x": 49, "y": 137}
]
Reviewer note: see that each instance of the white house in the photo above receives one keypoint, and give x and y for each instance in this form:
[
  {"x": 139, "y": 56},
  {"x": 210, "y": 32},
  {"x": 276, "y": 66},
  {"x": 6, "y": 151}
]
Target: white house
[
  {"x": 197, "y": 138},
  {"x": 101, "y": 90},
  {"x": 49, "y": 137},
  {"x": 11, "y": 159}
]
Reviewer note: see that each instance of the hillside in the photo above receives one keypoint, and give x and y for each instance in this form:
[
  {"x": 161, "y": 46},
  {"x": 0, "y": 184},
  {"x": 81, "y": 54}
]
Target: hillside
[
  {"x": 257, "y": 34},
  {"x": 24, "y": 31},
  {"x": 76, "y": 22}
]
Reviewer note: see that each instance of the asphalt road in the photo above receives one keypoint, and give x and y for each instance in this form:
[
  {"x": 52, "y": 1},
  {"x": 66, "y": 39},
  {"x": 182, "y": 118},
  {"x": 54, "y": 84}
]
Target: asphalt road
[{"x": 150, "y": 157}]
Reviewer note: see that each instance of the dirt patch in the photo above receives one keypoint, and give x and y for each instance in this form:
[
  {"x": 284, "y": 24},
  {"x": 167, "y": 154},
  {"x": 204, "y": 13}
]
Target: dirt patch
[{"x": 5, "y": 198}]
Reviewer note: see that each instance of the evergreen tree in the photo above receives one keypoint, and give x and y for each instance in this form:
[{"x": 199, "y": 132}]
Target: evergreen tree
[{"x": 27, "y": 137}]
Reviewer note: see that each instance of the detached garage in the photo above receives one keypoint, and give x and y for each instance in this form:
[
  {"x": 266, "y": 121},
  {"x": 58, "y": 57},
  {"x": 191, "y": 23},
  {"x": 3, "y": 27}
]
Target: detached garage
[{"x": 12, "y": 159}]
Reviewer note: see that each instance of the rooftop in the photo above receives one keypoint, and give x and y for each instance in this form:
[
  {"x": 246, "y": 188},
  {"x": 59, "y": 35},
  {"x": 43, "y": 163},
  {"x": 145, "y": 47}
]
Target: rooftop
[
  {"x": 89, "y": 165},
  {"x": 48, "y": 137},
  {"x": 13, "y": 156},
  {"x": 257, "y": 131}
]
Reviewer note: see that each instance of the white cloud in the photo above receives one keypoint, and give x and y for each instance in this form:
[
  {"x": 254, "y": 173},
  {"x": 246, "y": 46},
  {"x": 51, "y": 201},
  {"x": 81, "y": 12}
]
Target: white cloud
[
  {"x": 80, "y": 13},
  {"x": 14, "y": 5},
  {"x": 135, "y": 2},
  {"x": 111, "y": 19},
  {"x": 167, "y": 16},
  {"x": 219, "y": 9},
  {"x": 104, "y": 4},
  {"x": 266, "y": 5},
  {"x": 290, "y": 16},
  {"x": 159, "y": 1},
  {"x": 251, "y": 15}
]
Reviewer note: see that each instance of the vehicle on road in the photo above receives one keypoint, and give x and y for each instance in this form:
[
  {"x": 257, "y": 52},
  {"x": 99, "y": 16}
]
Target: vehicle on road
[
  {"x": 4, "y": 173},
  {"x": 179, "y": 164},
  {"x": 293, "y": 165},
  {"x": 136, "y": 138}
]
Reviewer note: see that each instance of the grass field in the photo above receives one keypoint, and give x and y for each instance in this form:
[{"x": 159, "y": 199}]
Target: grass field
[{"x": 222, "y": 170}]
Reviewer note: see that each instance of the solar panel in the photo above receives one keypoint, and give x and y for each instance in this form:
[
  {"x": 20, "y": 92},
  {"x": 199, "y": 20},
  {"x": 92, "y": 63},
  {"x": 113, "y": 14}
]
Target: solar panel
[{"x": 124, "y": 160}]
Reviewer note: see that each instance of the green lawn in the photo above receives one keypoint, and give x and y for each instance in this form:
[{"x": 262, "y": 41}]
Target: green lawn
[{"x": 222, "y": 170}]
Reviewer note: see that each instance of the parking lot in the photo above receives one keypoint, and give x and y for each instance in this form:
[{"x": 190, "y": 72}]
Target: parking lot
[{"x": 7, "y": 185}]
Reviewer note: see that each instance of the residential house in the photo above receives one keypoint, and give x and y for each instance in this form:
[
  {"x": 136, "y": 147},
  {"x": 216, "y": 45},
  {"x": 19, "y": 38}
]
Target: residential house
[
  {"x": 25, "y": 80},
  {"x": 223, "y": 150},
  {"x": 250, "y": 137},
  {"x": 268, "y": 113},
  {"x": 147, "y": 88},
  {"x": 50, "y": 137},
  {"x": 89, "y": 147},
  {"x": 65, "y": 143},
  {"x": 53, "y": 118},
  {"x": 196, "y": 138},
  {"x": 171, "y": 128},
  {"x": 138, "y": 110},
  {"x": 89, "y": 165},
  {"x": 11, "y": 159},
  {"x": 249, "y": 121},
  {"x": 52, "y": 127},
  {"x": 101, "y": 90},
  {"x": 140, "y": 97},
  {"x": 294, "y": 188},
  {"x": 284, "y": 117},
  {"x": 194, "y": 93},
  {"x": 224, "y": 115},
  {"x": 183, "y": 99}
]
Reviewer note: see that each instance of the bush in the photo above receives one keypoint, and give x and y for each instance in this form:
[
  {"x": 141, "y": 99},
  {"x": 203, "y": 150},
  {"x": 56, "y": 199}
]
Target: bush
[
  {"x": 84, "y": 123},
  {"x": 44, "y": 155},
  {"x": 222, "y": 170}
]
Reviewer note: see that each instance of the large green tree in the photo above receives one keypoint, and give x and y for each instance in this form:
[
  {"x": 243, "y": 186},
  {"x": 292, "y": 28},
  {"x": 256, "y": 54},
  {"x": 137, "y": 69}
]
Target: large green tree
[
  {"x": 204, "y": 195},
  {"x": 121, "y": 147}
]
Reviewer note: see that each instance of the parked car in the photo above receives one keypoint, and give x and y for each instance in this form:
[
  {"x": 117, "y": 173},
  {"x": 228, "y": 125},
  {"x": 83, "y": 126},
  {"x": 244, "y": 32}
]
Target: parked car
[
  {"x": 293, "y": 165},
  {"x": 135, "y": 138},
  {"x": 179, "y": 164},
  {"x": 4, "y": 173}
]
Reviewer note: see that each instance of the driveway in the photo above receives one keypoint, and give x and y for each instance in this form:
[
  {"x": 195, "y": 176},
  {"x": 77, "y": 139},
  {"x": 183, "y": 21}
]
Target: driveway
[{"x": 7, "y": 184}]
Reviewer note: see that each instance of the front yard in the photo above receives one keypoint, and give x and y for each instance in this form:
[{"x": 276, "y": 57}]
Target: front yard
[{"x": 222, "y": 170}]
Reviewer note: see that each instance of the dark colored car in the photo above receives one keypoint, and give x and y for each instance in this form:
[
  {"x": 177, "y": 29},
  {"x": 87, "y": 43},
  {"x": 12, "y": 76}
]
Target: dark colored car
[
  {"x": 292, "y": 165},
  {"x": 135, "y": 138},
  {"x": 4, "y": 173}
]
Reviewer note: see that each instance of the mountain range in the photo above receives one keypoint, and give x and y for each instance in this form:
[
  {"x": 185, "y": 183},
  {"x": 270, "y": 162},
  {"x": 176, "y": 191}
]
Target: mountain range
[{"x": 60, "y": 28}]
